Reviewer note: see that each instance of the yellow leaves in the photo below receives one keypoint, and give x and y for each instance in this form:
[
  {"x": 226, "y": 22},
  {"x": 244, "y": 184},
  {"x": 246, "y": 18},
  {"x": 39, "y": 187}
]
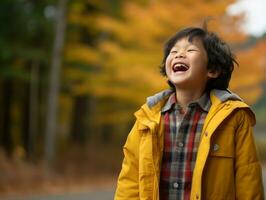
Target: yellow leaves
[
  {"x": 110, "y": 48},
  {"x": 124, "y": 66},
  {"x": 110, "y": 24},
  {"x": 124, "y": 32},
  {"x": 150, "y": 25},
  {"x": 135, "y": 47},
  {"x": 144, "y": 20},
  {"x": 79, "y": 16},
  {"x": 128, "y": 56},
  {"x": 82, "y": 53}
]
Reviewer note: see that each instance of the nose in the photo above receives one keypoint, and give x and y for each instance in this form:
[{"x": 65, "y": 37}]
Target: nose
[{"x": 180, "y": 54}]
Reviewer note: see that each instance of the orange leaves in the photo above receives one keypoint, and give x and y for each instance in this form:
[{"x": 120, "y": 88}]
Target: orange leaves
[
  {"x": 155, "y": 22},
  {"x": 129, "y": 53},
  {"x": 120, "y": 54},
  {"x": 248, "y": 77},
  {"x": 133, "y": 47}
]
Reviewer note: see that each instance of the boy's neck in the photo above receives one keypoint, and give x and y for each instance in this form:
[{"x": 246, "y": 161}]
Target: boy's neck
[{"x": 185, "y": 97}]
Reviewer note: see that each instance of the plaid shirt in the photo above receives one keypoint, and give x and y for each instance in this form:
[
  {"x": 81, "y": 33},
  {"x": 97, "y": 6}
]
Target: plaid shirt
[{"x": 181, "y": 140}]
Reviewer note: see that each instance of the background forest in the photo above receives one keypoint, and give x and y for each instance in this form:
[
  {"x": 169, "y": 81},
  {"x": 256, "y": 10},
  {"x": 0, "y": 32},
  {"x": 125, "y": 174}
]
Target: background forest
[{"x": 72, "y": 73}]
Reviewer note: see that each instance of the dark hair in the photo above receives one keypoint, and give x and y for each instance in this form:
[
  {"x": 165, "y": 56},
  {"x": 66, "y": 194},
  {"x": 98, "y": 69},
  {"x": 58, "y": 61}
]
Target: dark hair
[{"x": 220, "y": 57}]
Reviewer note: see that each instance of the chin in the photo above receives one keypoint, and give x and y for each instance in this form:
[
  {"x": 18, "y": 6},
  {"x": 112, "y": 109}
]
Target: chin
[{"x": 178, "y": 82}]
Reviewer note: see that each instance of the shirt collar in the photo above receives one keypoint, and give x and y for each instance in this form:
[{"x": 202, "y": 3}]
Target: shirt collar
[{"x": 204, "y": 102}]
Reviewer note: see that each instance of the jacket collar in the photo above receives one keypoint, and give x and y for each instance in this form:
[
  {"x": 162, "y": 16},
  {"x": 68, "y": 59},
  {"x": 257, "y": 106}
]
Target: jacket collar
[
  {"x": 150, "y": 113},
  {"x": 203, "y": 102},
  {"x": 224, "y": 102}
]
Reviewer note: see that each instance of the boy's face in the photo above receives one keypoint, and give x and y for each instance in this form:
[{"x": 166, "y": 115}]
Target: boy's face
[{"x": 186, "y": 65}]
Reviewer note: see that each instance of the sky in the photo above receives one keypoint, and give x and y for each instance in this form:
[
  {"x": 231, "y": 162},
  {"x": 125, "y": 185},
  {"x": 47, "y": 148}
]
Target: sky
[{"x": 255, "y": 11}]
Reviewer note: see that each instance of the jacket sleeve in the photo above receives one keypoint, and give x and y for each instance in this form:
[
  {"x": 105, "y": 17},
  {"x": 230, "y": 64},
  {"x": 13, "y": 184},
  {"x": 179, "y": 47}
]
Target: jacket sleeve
[
  {"x": 128, "y": 183},
  {"x": 248, "y": 177}
]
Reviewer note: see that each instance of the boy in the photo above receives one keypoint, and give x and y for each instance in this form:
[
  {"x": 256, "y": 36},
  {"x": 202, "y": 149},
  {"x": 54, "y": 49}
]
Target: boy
[{"x": 195, "y": 140}]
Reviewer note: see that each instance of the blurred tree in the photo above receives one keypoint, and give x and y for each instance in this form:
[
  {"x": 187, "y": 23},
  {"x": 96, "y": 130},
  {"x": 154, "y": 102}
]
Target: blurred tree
[
  {"x": 24, "y": 47},
  {"x": 83, "y": 61},
  {"x": 51, "y": 120}
]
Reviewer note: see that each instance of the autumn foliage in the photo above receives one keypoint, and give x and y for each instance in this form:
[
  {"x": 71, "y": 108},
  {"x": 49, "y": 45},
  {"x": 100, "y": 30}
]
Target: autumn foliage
[{"x": 124, "y": 61}]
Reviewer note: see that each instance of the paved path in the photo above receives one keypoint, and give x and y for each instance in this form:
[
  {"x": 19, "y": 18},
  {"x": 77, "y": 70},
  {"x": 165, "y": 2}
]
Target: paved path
[{"x": 93, "y": 195}]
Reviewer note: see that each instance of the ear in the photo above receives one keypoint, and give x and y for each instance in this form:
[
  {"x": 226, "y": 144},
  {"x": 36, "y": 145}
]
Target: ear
[{"x": 213, "y": 73}]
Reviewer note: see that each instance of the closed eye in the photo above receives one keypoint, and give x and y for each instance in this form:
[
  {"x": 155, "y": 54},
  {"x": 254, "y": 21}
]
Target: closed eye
[
  {"x": 190, "y": 50},
  {"x": 174, "y": 51}
]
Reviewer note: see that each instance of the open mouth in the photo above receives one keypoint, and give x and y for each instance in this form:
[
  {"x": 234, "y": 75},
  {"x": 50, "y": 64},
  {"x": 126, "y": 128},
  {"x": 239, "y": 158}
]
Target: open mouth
[{"x": 180, "y": 67}]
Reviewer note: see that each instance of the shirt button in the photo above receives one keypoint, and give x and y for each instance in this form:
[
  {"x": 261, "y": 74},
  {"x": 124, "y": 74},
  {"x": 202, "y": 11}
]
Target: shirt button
[
  {"x": 180, "y": 144},
  {"x": 175, "y": 185},
  {"x": 197, "y": 196},
  {"x": 216, "y": 147},
  {"x": 206, "y": 133}
]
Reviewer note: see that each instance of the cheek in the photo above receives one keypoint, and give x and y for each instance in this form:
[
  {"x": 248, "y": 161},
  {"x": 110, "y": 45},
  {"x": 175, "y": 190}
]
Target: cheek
[
  {"x": 201, "y": 63},
  {"x": 168, "y": 64},
  {"x": 204, "y": 60}
]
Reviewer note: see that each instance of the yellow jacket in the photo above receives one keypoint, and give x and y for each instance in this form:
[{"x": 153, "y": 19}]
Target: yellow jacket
[{"x": 227, "y": 167}]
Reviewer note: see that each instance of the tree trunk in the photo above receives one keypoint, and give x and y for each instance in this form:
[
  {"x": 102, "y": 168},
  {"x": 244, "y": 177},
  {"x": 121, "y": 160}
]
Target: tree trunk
[
  {"x": 51, "y": 121},
  {"x": 33, "y": 110},
  {"x": 6, "y": 139},
  {"x": 79, "y": 132}
]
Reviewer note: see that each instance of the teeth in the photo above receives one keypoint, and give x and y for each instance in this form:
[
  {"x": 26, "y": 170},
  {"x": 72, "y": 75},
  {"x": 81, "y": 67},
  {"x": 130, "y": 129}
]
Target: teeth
[{"x": 180, "y": 67}]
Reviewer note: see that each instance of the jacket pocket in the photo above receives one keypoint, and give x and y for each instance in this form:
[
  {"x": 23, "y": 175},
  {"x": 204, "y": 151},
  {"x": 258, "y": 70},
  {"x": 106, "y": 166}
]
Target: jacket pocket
[
  {"x": 222, "y": 143},
  {"x": 220, "y": 150},
  {"x": 219, "y": 177}
]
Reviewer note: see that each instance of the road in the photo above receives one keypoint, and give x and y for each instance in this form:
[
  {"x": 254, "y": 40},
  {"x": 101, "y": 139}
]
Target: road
[
  {"x": 106, "y": 194},
  {"x": 93, "y": 195}
]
